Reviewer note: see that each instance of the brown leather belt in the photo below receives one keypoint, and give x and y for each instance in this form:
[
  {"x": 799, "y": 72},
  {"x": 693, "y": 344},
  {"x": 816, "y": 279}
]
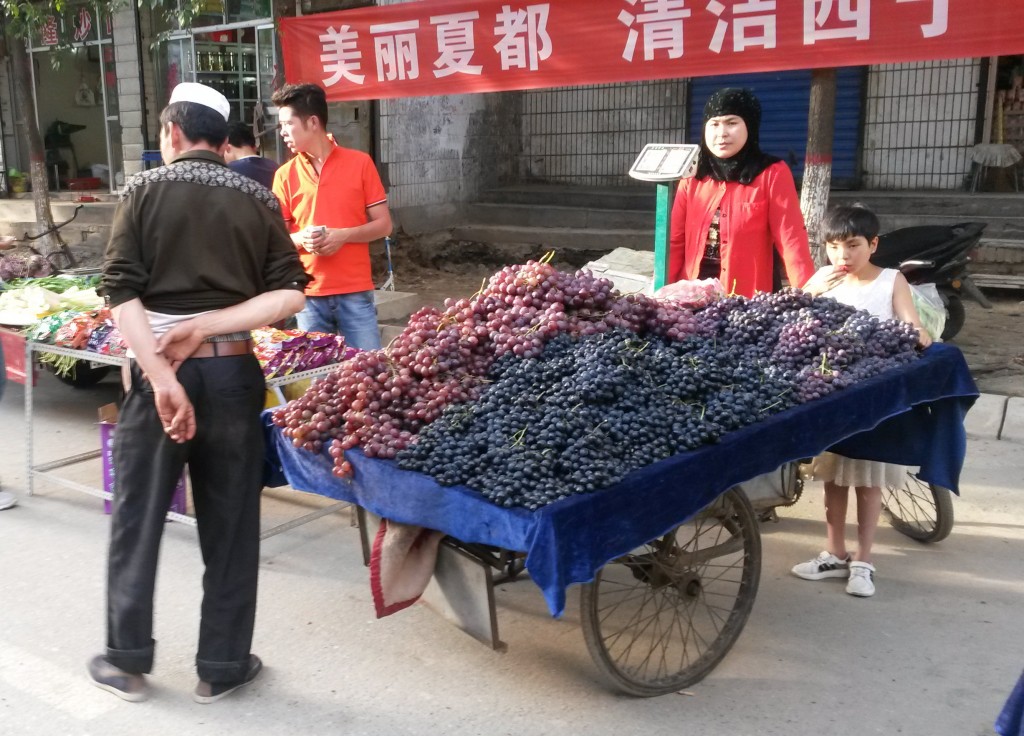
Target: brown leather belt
[{"x": 222, "y": 349}]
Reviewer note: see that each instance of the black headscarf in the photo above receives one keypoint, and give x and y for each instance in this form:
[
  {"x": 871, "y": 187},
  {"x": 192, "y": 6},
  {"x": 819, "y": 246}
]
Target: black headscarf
[{"x": 750, "y": 161}]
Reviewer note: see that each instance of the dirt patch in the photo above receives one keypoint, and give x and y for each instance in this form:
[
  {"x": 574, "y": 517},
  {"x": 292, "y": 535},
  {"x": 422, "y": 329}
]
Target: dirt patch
[{"x": 992, "y": 341}]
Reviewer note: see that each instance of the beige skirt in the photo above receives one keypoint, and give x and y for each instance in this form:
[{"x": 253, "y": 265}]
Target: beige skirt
[{"x": 844, "y": 471}]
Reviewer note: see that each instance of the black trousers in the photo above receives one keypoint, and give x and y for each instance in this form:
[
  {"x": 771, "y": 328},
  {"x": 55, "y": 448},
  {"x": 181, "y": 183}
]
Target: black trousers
[{"x": 225, "y": 460}]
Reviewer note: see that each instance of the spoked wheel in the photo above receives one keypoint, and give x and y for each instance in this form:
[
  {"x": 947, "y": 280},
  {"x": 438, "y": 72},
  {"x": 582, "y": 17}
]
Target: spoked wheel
[
  {"x": 921, "y": 511},
  {"x": 661, "y": 617}
]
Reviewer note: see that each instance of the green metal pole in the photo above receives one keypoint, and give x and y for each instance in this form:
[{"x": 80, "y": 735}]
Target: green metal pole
[{"x": 662, "y": 219}]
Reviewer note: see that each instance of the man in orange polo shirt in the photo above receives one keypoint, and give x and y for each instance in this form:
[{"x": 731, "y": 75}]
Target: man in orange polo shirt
[{"x": 334, "y": 203}]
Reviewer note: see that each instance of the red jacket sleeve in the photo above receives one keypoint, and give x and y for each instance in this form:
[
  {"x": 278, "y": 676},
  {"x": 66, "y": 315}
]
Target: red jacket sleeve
[{"x": 786, "y": 222}]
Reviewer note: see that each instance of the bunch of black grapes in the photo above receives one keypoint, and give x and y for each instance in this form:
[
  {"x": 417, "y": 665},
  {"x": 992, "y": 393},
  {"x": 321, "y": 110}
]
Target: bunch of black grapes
[{"x": 590, "y": 408}]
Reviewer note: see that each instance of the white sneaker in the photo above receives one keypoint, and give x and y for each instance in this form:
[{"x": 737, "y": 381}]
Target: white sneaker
[
  {"x": 825, "y": 565},
  {"x": 862, "y": 579},
  {"x": 7, "y": 500}
]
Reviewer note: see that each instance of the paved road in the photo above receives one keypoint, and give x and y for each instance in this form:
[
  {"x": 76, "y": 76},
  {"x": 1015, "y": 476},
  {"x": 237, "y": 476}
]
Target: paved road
[{"x": 934, "y": 653}]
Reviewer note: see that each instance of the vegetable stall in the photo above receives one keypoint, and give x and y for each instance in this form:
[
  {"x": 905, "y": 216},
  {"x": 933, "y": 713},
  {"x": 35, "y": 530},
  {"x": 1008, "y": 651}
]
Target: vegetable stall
[{"x": 59, "y": 321}]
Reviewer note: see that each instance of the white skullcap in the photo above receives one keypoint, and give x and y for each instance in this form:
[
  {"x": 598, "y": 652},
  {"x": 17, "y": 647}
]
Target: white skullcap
[{"x": 202, "y": 95}]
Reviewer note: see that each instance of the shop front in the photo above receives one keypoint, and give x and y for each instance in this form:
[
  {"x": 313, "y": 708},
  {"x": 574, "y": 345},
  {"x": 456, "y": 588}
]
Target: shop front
[
  {"x": 231, "y": 47},
  {"x": 75, "y": 103}
]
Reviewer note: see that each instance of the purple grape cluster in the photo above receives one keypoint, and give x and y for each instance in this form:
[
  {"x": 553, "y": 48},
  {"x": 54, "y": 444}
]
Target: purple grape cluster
[
  {"x": 553, "y": 381},
  {"x": 380, "y": 400}
]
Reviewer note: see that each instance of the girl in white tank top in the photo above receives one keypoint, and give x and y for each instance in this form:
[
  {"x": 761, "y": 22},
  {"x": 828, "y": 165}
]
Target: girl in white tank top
[{"x": 884, "y": 292}]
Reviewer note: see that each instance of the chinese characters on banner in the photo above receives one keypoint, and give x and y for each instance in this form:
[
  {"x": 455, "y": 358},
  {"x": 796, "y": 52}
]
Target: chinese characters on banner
[{"x": 456, "y": 46}]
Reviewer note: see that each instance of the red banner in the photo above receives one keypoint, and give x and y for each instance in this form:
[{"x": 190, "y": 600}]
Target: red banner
[{"x": 454, "y": 46}]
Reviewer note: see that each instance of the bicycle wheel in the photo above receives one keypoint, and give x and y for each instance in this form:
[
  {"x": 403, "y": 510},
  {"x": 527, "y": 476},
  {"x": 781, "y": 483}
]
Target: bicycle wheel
[
  {"x": 661, "y": 617},
  {"x": 921, "y": 511}
]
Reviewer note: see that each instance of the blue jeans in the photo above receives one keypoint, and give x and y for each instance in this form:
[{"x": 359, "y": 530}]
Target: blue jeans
[
  {"x": 3, "y": 371},
  {"x": 353, "y": 316}
]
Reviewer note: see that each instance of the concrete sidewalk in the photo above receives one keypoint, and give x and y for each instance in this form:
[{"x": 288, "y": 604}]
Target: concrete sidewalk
[
  {"x": 935, "y": 652},
  {"x": 995, "y": 417}
]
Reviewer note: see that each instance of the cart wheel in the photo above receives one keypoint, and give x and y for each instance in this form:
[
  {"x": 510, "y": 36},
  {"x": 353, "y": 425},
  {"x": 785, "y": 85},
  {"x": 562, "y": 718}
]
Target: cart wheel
[
  {"x": 661, "y": 617},
  {"x": 921, "y": 511},
  {"x": 792, "y": 482}
]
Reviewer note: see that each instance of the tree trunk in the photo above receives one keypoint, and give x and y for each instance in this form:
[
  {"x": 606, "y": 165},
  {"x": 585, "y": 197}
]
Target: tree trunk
[
  {"x": 814, "y": 190},
  {"x": 50, "y": 244}
]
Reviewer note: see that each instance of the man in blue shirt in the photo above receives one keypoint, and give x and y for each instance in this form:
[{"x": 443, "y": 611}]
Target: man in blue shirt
[{"x": 241, "y": 155}]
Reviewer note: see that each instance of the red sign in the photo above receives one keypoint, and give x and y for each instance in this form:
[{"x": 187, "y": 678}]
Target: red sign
[{"x": 455, "y": 46}]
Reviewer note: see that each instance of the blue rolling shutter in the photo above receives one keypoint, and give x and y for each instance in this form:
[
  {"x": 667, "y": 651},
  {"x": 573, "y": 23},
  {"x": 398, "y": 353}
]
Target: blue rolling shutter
[{"x": 785, "y": 99}]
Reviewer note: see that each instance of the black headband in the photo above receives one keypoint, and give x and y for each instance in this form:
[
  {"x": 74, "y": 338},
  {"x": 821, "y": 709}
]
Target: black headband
[{"x": 734, "y": 101}]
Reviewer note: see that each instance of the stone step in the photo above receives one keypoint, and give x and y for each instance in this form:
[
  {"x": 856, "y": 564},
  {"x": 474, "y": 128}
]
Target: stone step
[
  {"x": 23, "y": 210},
  {"x": 532, "y": 215},
  {"x": 980, "y": 206},
  {"x": 995, "y": 251},
  {"x": 986, "y": 280},
  {"x": 74, "y": 233},
  {"x": 556, "y": 238},
  {"x": 622, "y": 198},
  {"x": 1002, "y": 228},
  {"x": 395, "y": 306}
]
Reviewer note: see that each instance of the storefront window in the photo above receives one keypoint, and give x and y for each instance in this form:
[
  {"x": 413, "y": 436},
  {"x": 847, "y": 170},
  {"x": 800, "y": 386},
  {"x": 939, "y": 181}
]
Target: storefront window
[
  {"x": 216, "y": 13},
  {"x": 75, "y": 88}
]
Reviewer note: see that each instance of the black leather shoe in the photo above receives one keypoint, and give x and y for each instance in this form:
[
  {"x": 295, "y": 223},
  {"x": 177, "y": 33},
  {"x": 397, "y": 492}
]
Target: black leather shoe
[{"x": 211, "y": 692}]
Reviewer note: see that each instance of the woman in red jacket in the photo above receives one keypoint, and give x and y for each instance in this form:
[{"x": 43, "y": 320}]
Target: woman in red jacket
[{"x": 739, "y": 207}]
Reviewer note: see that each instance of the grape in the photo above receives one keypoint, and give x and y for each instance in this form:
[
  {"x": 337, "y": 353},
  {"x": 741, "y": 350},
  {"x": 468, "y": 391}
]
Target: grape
[{"x": 547, "y": 384}]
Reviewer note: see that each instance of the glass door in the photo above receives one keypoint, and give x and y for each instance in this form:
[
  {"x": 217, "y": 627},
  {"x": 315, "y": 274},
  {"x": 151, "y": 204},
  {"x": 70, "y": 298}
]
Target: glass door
[
  {"x": 264, "y": 118},
  {"x": 75, "y": 97}
]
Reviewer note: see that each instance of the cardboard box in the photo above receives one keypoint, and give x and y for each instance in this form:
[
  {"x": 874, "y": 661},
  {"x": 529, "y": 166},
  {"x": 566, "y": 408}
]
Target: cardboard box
[{"x": 108, "y": 423}]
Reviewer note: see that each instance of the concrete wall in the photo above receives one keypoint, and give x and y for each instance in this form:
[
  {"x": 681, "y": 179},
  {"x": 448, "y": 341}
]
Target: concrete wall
[
  {"x": 591, "y": 135},
  {"x": 437, "y": 152},
  {"x": 131, "y": 105}
]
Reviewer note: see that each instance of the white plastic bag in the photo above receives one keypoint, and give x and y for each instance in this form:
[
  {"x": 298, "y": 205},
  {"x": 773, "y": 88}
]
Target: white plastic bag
[
  {"x": 930, "y": 309},
  {"x": 694, "y": 294}
]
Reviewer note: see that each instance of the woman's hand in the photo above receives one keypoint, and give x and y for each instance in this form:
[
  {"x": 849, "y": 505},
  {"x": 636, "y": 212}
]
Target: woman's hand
[{"x": 824, "y": 279}]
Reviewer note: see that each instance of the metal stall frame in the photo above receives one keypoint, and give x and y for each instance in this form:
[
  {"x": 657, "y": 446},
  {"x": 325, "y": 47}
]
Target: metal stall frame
[{"x": 45, "y": 470}]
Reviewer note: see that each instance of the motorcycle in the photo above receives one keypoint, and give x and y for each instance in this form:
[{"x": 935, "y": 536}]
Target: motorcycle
[{"x": 936, "y": 254}]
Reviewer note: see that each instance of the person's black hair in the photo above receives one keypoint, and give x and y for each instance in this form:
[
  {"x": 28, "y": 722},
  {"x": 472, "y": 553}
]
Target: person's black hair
[
  {"x": 750, "y": 160},
  {"x": 240, "y": 135},
  {"x": 305, "y": 100},
  {"x": 197, "y": 122},
  {"x": 845, "y": 221}
]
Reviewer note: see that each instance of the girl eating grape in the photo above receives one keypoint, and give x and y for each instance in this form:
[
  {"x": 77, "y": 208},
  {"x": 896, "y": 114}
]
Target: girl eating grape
[{"x": 851, "y": 236}]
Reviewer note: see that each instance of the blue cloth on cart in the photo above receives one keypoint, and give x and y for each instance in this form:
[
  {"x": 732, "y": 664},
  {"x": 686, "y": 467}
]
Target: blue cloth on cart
[
  {"x": 1011, "y": 719},
  {"x": 915, "y": 414}
]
